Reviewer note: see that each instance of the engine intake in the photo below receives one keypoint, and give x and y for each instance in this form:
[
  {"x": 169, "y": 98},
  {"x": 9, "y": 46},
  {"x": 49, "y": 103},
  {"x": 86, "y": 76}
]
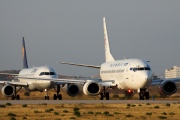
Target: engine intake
[
  {"x": 72, "y": 90},
  {"x": 168, "y": 87},
  {"x": 7, "y": 90},
  {"x": 91, "y": 88}
]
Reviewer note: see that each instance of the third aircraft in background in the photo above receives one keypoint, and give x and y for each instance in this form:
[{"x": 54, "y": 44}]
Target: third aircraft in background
[{"x": 127, "y": 74}]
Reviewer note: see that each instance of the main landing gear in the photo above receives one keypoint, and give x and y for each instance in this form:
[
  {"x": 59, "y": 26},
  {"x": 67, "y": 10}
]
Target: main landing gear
[
  {"x": 143, "y": 94},
  {"x": 104, "y": 94},
  {"x": 16, "y": 96},
  {"x": 56, "y": 96}
]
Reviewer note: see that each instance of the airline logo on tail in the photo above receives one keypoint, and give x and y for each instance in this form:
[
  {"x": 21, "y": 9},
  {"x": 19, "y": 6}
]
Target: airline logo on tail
[{"x": 25, "y": 64}]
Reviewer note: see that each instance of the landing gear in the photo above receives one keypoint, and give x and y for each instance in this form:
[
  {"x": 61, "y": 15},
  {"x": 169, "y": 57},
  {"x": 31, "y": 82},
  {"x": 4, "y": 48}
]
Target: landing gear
[
  {"x": 16, "y": 96},
  {"x": 57, "y": 95},
  {"x": 147, "y": 95},
  {"x": 104, "y": 94},
  {"x": 46, "y": 97},
  {"x": 143, "y": 94}
]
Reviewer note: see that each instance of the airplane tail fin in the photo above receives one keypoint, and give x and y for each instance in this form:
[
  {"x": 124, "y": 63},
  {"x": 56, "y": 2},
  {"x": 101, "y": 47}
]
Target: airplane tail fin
[
  {"x": 25, "y": 64},
  {"x": 108, "y": 55}
]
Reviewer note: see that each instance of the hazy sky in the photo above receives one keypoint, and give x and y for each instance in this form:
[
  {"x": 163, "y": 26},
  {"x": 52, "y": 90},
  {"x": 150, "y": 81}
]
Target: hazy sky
[{"x": 72, "y": 31}]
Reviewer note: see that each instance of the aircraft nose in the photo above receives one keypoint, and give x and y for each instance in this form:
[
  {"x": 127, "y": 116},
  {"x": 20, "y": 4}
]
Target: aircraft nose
[{"x": 146, "y": 79}]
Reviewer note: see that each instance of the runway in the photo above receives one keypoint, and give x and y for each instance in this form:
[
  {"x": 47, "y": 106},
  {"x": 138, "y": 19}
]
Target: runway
[{"x": 87, "y": 101}]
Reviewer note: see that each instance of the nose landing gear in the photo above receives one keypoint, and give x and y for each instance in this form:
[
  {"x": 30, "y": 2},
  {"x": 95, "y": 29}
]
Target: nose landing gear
[
  {"x": 143, "y": 94},
  {"x": 46, "y": 97},
  {"x": 56, "y": 96}
]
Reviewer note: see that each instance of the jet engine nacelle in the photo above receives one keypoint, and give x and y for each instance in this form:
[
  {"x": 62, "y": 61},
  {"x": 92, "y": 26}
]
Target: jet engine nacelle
[
  {"x": 7, "y": 90},
  {"x": 168, "y": 87},
  {"x": 129, "y": 93},
  {"x": 91, "y": 88},
  {"x": 72, "y": 90}
]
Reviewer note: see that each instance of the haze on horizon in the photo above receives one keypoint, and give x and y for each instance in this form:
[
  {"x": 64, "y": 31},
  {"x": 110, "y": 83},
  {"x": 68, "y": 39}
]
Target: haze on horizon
[{"x": 72, "y": 31}]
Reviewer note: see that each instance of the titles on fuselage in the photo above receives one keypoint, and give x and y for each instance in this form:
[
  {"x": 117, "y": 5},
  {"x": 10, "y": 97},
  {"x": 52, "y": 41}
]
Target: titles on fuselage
[
  {"x": 112, "y": 71},
  {"x": 118, "y": 64}
]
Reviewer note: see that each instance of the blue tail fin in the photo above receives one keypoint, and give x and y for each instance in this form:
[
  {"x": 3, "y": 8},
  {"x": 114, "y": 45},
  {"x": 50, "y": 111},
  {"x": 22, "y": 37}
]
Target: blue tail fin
[{"x": 25, "y": 64}]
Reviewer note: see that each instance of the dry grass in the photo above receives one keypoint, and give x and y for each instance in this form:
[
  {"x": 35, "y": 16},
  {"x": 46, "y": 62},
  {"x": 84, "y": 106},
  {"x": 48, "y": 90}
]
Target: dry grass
[
  {"x": 88, "y": 111},
  {"x": 92, "y": 111}
]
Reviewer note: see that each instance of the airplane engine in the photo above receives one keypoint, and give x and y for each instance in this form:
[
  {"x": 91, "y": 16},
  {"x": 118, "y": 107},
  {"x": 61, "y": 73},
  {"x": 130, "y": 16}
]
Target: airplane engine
[
  {"x": 91, "y": 88},
  {"x": 129, "y": 93},
  {"x": 7, "y": 90},
  {"x": 72, "y": 90},
  {"x": 168, "y": 87}
]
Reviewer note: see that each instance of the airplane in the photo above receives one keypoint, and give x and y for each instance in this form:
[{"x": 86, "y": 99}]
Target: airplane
[
  {"x": 40, "y": 78},
  {"x": 128, "y": 74}
]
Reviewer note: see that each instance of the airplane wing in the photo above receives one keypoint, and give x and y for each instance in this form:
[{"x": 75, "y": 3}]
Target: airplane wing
[
  {"x": 159, "y": 81},
  {"x": 53, "y": 79},
  {"x": 58, "y": 81},
  {"x": 66, "y": 81},
  {"x": 91, "y": 66},
  {"x": 14, "y": 83},
  {"x": 10, "y": 74},
  {"x": 107, "y": 83}
]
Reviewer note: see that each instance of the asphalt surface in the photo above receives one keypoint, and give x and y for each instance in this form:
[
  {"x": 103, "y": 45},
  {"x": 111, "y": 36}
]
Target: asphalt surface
[{"x": 87, "y": 101}]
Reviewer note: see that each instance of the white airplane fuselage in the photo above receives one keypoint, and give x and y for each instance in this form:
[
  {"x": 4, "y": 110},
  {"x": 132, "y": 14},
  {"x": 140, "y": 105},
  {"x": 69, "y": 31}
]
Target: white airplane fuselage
[
  {"x": 128, "y": 73},
  {"x": 37, "y": 72}
]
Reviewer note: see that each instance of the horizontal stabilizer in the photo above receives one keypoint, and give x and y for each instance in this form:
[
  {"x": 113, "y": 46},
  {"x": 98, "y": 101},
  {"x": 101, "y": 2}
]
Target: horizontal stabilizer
[{"x": 91, "y": 66}]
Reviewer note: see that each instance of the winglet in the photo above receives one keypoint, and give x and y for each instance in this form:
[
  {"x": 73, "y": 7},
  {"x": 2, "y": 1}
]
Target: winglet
[
  {"x": 108, "y": 55},
  {"x": 25, "y": 64}
]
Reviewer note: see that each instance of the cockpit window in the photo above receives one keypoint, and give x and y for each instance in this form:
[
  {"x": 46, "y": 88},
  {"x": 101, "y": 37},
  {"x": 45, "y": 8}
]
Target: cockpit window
[
  {"x": 47, "y": 73},
  {"x": 52, "y": 73}
]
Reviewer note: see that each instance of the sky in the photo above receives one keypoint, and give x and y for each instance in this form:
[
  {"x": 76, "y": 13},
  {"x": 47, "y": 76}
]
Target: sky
[{"x": 72, "y": 31}]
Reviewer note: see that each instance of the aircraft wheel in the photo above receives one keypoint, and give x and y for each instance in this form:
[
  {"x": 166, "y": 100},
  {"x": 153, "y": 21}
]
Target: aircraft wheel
[
  {"x": 55, "y": 97},
  {"x": 141, "y": 96},
  {"x": 18, "y": 97},
  {"x": 101, "y": 96},
  {"x": 107, "y": 95},
  {"x": 12, "y": 97},
  {"x": 147, "y": 95},
  {"x": 46, "y": 97},
  {"x": 60, "y": 97}
]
